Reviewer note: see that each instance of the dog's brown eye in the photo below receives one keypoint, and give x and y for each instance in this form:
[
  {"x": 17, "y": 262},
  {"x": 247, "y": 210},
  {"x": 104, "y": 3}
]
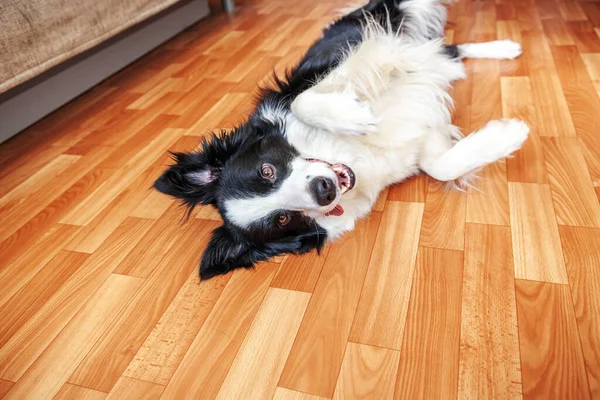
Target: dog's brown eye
[
  {"x": 283, "y": 219},
  {"x": 267, "y": 171}
]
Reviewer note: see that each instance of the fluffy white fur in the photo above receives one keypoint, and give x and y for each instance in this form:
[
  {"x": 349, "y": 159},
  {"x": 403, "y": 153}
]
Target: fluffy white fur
[
  {"x": 499, "y": 49},
  {"x": 386, "y": 112}
]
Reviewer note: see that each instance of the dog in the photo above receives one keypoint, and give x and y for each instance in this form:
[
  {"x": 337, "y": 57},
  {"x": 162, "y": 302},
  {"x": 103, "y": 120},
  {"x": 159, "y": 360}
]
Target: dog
[{"x": 367, "y": 106}]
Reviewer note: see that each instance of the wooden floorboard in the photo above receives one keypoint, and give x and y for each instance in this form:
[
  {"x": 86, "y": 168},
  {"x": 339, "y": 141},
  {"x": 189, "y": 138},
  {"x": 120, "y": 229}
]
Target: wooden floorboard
[{"x": 489, "y": 293}]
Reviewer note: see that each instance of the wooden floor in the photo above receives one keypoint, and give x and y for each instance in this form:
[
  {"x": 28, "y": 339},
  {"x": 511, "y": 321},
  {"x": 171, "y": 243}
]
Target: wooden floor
[{"x": 436, "y": 295}]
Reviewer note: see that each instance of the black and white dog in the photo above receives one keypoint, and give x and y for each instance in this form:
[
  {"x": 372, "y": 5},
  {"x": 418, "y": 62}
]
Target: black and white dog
[{"x": 367, "y": 107}]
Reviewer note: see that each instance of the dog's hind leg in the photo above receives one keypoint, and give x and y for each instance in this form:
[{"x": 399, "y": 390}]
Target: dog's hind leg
[
  {"x": 498, "y": 49},
  {"x": 445, "y": 161}
]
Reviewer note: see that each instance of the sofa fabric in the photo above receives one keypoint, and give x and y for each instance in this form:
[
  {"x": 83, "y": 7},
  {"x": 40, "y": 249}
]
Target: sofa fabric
[{"x": 36, "y": 35}]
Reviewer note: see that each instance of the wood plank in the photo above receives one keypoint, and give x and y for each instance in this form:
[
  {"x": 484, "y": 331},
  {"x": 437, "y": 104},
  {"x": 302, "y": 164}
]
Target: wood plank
[
  {"x": 50, "y": 371},
  {"x": 571, "y": 11},
  {"x": 552, "y": 112},
  {"x": 5, "y": 386},
  {"x": 16, "y": 275},
  {"x": 486, "y": 102},
  {"x": 208, "y": 212},
  {"x": 463, "y": 89},
  {"x": 591, "y": 12},
  {"x": 74, "y": 392},
  {"x": 89, "y": 208},
  {"x": 316, "y": 357},
  {"x": 443, "y": 218},
  {"x": 552, "y": 361},
  {"x": 148, "y": 253},
  {"x": 13, "y": 219},
  {"x": 548, "y": 10},
  {"x": 528, "y": 164},
  {"x": 150, "y": 97},
  {"x": 586, "y": 40},
  {"x": 301, "y": 272},
  {"x": 163, "y": 350},
  {"x": 109, "y": 357},
  {"x": 592, "y": 63},
  {"x": 16, "y": 172},
  {"x": 228, "y": 107},
  {"x": 19, "y": 353},
  {"x": 382, "y": 308},
  {"x": 528, "y": 16},
  {"x": 28, "y": 234},
  {"x": 582, "y": 256},
  {"x": 489, "y": 353},
  {"x": 227, "y": 43},
  {"x": 550, "y": 105},
  {"x": 430, "y": 349},
  {"x": 381, "y": 200},
  {"x": 536, "y": 243},
  {"x": 129, "y": 388},
  {"x": 261, "y": 358},
  {"x": 260, "y": 75},
  {"x": 287, "y": 394},
  {"x": 488, "y": 202},
  {"x": 206, "y": 363},
  {"x": 19, "y": 308},
  {"x": 153, "y": 206},
  {"x": 510, "y": 29},
  {"x": 583, "y": 102},
  {"x": 198, "y": 101},
  {"x": 48, "y": 172},
  {"x": 557, "y": 32},
  {"x": 412, "y": 190},
  {"x": 113, "y": 214},
  {"x": 573, "y": 193},
  {"x": 367, "y": 373}
]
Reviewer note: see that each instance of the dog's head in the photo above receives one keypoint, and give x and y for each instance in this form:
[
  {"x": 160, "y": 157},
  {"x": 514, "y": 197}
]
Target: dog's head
[{"x": 267, "y": 194}]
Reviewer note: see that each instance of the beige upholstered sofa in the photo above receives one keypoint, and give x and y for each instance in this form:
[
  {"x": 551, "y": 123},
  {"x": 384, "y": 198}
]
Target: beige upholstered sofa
[
  {"x": 40, "y": 38},
  {"x": 39, "y": 34}
]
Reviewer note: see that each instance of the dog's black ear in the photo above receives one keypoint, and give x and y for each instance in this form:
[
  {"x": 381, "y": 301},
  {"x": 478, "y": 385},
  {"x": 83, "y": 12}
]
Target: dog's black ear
[
  {"x": 226, "y": 252},
  {"x": 194, "y": 176}
]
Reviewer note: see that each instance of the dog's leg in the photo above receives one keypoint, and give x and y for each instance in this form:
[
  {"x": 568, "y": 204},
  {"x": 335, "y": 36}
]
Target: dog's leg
[
  {"x": 339, "y": 102},
  {"x": 495, "y": 141},
  {"x": 338, "y": 112},
  {"x": 498, "y": 49}
]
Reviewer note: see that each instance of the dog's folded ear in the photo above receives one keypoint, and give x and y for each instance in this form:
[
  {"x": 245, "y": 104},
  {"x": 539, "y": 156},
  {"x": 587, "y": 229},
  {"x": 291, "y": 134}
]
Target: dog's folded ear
[
  {"x": 194, "y": 176},
  {"x": 225, "y": 252},
  {"x": 190, "y": 179}
]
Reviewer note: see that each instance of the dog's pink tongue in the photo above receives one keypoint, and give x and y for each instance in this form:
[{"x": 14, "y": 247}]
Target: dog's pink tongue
[{"x": 337, "y": 211}]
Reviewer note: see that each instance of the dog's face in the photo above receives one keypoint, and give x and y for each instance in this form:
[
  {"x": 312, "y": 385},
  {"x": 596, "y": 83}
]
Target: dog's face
[{"x": 267, "y": 194}]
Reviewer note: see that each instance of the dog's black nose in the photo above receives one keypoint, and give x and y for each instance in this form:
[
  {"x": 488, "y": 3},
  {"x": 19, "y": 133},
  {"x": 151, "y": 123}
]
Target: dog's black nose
[{"x": 323, "y": 189}]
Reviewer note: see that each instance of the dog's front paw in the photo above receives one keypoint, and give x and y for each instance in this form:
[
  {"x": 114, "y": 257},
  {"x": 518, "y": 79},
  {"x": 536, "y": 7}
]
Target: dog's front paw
[
  {"x": 358, "y": 118},
  {"x": 335, "y": 112}
]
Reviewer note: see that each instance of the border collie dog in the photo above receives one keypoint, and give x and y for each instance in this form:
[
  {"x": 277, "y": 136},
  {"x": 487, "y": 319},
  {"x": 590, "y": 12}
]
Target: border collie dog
[{"x": 368, "y": 106}]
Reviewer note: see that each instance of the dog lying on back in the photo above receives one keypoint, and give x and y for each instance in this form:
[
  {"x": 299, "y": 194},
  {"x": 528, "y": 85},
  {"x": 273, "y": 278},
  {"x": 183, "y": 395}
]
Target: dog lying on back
[{"x": 368, "y": 106}]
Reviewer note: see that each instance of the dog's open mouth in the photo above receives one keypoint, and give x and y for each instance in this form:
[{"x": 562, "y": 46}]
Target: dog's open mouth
[
  {"x": 345, "y": 176},
  {"x": 345, "y": 180}
]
